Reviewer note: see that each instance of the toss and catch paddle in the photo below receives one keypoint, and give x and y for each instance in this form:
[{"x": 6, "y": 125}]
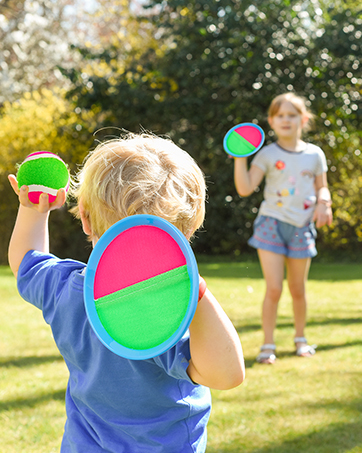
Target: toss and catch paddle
[
  {"x": 243, "y": 140},
  {"x": 141, "y": 287}
]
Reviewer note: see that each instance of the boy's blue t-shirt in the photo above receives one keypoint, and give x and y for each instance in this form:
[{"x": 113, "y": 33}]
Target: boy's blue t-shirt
[{"x": 114, "y": 404}]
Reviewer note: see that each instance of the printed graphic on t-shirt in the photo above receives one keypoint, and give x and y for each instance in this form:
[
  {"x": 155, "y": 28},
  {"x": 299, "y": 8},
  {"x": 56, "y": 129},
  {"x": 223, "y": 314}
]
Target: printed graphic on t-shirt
[
  {"x": 308, "y": 202},
  {"x": 280, "y": 165},
  {"x": 286, "y": 191},
  {"x": 307, "y": 174}
]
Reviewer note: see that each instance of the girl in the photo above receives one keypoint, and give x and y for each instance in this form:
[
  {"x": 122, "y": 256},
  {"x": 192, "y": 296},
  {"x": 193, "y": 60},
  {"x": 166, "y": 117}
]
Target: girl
[{"x": 295, "y": 196}]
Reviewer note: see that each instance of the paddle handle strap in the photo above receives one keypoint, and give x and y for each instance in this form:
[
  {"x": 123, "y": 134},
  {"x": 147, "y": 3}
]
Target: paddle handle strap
[{"x": 202, "y": 288}]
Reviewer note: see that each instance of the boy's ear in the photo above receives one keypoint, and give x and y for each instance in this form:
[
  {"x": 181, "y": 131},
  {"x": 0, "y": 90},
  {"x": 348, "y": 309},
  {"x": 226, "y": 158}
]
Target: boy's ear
[{"x": 85, "y": 220}]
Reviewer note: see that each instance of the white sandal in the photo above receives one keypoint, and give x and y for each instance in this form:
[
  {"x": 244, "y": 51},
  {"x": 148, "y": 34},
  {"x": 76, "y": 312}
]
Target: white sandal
[
  {"x": 266, "y": 357},
  {"x": 305, "y": 350}
]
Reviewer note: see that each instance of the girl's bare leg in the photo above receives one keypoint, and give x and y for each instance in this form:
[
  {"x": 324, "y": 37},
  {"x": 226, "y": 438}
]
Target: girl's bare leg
[
  {"x": 297, "y": 274},
  {"x": 272, "y": 265}
]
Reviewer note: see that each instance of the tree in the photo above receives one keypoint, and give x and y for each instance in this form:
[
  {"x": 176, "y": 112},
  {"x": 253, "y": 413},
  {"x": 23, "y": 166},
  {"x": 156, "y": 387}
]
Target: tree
[
  {"x": 336, "y": 94},
  {"x": 42, "y": 121},
  {"x": 34, "y": 39},
  {"x": 32, "y": 119},
  {"x": 218, "y": 63}
]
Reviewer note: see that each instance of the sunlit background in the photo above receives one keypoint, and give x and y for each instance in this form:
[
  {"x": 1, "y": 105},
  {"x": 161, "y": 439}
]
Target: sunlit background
[{"x": 188, "y": 70}]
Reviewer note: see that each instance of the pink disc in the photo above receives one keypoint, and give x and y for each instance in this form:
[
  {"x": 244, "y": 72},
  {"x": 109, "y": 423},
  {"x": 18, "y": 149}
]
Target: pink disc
[
  {"x": 251, "y": 134},
  {"x": 150, "y": 252}
]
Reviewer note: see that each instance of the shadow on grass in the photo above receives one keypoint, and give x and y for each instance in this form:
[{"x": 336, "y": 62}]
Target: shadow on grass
[
  {"x": 336, "y": 438},
  {"x": 326, "y": 347},
  {"x": 25, "y": 362},
  {"x": 230, "y": 270},
  {"x": 21, "y": 403},
  {"x": 288, "y": 325},
  {"x": 319, "y": 271},
  {"x": 250, "y": 361}
]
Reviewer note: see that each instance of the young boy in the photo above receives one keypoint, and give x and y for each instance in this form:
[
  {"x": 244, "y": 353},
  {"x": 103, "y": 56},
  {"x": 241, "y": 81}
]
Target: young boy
[{"x": 114, "y": 404}]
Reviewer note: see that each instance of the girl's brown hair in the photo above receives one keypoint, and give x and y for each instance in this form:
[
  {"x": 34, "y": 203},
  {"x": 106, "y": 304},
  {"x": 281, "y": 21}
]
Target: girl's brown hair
[{"x": 298, "y": 102}]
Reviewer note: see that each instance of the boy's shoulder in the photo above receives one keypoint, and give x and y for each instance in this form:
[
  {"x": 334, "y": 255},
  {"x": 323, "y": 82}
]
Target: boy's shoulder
[
  {"x": 38, "y": 265},
  {"x": 35, "y": 257}
]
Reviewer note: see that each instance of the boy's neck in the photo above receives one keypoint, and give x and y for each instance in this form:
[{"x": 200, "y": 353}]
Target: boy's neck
[{"x": 293, "y": 145}]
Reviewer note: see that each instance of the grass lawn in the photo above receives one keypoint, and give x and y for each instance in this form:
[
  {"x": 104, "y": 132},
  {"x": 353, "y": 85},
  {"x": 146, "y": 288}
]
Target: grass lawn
[{"x": 298, "y": 405}]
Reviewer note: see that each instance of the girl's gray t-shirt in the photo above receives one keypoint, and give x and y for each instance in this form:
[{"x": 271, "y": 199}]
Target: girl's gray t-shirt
[{"x": 289, "y": 193}]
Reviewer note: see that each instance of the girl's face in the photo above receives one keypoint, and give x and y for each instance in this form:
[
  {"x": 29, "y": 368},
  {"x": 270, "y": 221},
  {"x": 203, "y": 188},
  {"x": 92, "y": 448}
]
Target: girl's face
[{"x": 287, "y": 123}]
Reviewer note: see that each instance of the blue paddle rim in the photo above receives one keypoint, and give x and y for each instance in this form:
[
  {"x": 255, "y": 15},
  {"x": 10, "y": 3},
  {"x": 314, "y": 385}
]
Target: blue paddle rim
[
  {"x": 229, "y": 132},
  {"x": 100, "y": 247}
]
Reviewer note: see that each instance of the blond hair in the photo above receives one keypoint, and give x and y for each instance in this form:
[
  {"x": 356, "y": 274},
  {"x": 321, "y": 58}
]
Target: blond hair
[
  {"x": 140, "y": 174},
  {"x": 298, "y": 102}
]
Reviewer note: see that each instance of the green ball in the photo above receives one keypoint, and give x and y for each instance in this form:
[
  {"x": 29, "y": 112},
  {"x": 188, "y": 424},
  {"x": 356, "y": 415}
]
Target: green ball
[{"x": 43, "y": 172}]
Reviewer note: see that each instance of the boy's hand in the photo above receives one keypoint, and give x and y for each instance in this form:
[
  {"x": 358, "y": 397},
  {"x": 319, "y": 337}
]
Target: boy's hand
[
  {"x": 31, "y": 225},
  {"x": 44, "y": 205},
  {"x": 322, "y": 215}
]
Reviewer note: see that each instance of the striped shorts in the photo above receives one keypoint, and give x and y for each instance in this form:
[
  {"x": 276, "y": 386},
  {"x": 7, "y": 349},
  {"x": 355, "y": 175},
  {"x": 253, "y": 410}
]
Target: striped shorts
[{"x": 282, "y": 238}]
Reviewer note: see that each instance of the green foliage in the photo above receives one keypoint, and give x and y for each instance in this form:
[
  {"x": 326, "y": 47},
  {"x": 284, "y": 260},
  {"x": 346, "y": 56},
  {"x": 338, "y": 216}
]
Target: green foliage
[
  {"x": 219, "y": 63},
  {"x": 208, "y": 66},
  {"x": 41, "y": 121}
]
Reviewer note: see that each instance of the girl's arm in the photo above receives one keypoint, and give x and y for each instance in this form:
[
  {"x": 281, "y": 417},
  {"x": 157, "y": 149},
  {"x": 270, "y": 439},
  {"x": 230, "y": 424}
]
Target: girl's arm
[
  {"x": 246, "y": 181},
  {"x": 323, "y": 212},
  {"x": 216, "y": 354},
  {"x": 31, "y": 225}
]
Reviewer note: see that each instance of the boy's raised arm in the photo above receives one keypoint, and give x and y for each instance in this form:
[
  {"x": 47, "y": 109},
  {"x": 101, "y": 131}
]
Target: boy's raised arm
[
  {"x": 31, "y": 226},
  {"x": 216, "y": 354}
]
